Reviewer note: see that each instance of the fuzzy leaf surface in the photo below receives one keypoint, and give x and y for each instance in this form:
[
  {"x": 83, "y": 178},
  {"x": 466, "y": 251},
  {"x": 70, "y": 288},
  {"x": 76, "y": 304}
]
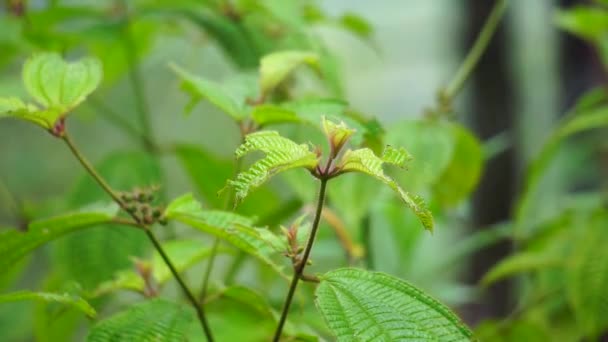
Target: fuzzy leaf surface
[
  {"x": 366, "y": 161},
  {"x": 281, "y": 154},
  {"x": 232, "y": 228},
  {"x": 153, "y": 320},
  {"x": 359, "y": 305}
]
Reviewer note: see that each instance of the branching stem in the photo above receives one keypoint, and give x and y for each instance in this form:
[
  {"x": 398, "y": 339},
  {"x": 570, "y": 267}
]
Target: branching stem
[
  {"x": 299, "y": 268},
  {"x": 108, "y": 189}
]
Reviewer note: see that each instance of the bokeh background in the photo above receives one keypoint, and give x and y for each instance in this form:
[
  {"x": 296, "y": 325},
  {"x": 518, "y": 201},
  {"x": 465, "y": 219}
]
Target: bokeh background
[{"x": 530, "y": 76}]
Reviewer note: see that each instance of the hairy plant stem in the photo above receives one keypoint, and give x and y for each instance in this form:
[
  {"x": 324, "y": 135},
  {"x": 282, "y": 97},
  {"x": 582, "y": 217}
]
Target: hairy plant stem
[
  {"x": 136, "y": 222},
  {"x": 480, "y": 45},
  {"x": 299, "y": 268}
]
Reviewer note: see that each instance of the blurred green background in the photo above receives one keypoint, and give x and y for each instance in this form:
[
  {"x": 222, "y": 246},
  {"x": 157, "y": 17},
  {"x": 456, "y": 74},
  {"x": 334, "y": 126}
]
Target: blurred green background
[{"x": 532, "y": 73}]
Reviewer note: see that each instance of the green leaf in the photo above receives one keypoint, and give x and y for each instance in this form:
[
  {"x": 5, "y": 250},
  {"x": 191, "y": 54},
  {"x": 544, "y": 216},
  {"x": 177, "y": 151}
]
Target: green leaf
[
  {"x": 183, "y": 254},
  {"x": 14, "y": 107},
  {"x": 269, "y": 114},
  {"x": 462, "y": 174},
  {"x": 65, "y": 299},
  {"x": 365, "y": 161},
  {"x": 357, "y": 25},
  {"x": 58, "y": 86},
  {"x": 281, "y": 154},
  {"x": 200, "y": 88},
  {"x": 587, "y": 277},
  {"x": 154, "y": 320},
  {"x": 519, "y": 263},
  {"x": 275, "y": 67},
  {"x": 233, "y": 228},
  {"x": 584, "y": 21},
  {"x": 55, "y": 83},
  {"x": 359, "y": 305},
  {"x": 430, "y": 142},
  {"x": 14, "y": 244}
]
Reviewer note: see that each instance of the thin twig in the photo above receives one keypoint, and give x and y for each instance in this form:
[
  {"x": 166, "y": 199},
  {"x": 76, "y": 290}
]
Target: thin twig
[
  {"x": 108, "y": 189},
  {"x": 480, "y": 45},
  {"x": 299, "y": 269}
]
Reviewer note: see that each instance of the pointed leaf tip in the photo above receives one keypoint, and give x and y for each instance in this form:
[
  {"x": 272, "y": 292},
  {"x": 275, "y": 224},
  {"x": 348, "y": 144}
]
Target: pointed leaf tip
[{"x": 365, "y": 161}]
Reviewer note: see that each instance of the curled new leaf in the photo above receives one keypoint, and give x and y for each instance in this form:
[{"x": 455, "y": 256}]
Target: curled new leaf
[
  {"x": 281, "y": 154},
  {"x": 337, "y": 135},
  {"x": 365, "y": 161},
  {"x": 56, "y": 85}
]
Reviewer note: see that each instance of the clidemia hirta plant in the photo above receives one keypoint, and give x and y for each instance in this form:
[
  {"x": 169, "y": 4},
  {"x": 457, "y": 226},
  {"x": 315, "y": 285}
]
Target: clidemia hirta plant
[{"x": 356, "y": 304}]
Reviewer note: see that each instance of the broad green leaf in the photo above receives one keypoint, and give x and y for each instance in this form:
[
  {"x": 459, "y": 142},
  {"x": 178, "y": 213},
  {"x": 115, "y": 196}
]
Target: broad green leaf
[
  {"x": 208, "y": 172},
  {"x": 83, "y": 256},
  {"x": 14, "y": 244},
  {"x": 202, "y": 89},
  {"x": 464, "y": 170},
  {"x": 65, "y": 299},
  {"x": 365, "y": 161},
  {"x": 14, "y": 107},
  {"x": 183, "y": 254},
  {"x": 55, "y": 83},
  {"x": 153, "y": 320},
  {"x": 520, "y": 263},
  {"x": 431, "y": 144},
  {"x": 359, "y": 305},
  {"x": 584, "y": 21},
  {"x": 281, "y": 154},
  {"x": 58, "y": 86},
  {"x": 357, "y": 25},
  {"x": 233, "y": 228},
  {"x": 275, "y": 67}
]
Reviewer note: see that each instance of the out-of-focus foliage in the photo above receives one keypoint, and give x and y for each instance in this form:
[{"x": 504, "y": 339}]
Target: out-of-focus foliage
[{"x": 278, "y": 87}]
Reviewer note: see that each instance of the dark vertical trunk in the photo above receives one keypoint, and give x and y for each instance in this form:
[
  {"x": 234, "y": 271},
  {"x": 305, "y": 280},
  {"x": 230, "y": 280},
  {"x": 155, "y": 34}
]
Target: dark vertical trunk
[{"x": 491, "y": 113}]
